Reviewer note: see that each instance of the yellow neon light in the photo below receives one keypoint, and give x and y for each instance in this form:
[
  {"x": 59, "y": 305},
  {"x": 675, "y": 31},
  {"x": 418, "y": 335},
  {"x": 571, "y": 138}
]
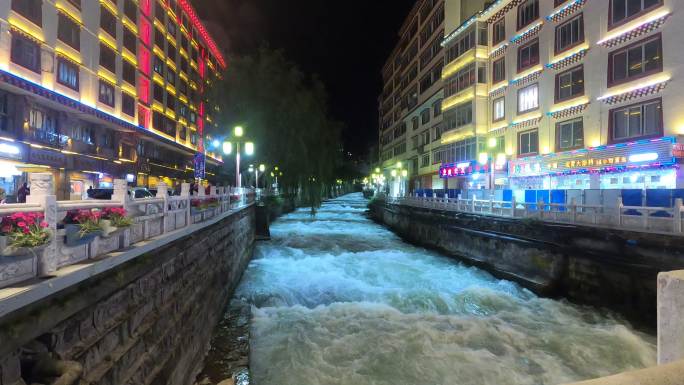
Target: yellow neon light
[
  {"x": 527, "y": 117},
  {"x": 107, "y": 40},
  {"x": 569, "y": 104},
  {"x": 457, "y": 99},
  {"x": 131, "y": 58},
  {"x": 566, "y": 55},
  {"x": 647, "y": 83},
  {"x": 157, "y": 107},
  {"x": 111, "y": 7},
  {"x": 127, "y": 88},
  {"x": 27, "y": 28},
  {"x": 68, "y": 55},
  {"x": 69, "y": 13},
  {"x": 634, "y": 24},
  {"x": 170, "y": 89},
  {"x": 106, "y": 75},
  {"x": 183, "y": 98},
  {"x": 129, "y": 24},
  {"x": 171, "y": 64},
  {"x": 458, "y": 134},
  {"x": 158, "y": 51},
  {"x": 498, "y": 126},
  {"x": 530, "y": 71},
  {"x": 170, "y": 114},
  {"x": 158, "y": 79},
  {"x": 454, "y": 66}
]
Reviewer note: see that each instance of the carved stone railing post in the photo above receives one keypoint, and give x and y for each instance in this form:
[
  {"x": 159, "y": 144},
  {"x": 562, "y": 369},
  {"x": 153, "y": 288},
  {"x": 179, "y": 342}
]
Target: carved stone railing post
[
  {"x": 185, "y": 193},
  {"x": 42, "y": 192},
  {"x": 120, "y": 194},
  {"x": 163, "y": 192}
]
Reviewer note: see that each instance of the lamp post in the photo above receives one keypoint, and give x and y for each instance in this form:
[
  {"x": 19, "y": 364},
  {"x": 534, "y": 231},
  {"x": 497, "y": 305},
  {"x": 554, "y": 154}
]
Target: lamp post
[{"x": 238, "y": 132}]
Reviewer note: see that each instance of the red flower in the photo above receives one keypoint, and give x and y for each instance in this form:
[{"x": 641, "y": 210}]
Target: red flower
[
  {"x": 21, "y": 224},
  {"x": 44, "y": 224}
]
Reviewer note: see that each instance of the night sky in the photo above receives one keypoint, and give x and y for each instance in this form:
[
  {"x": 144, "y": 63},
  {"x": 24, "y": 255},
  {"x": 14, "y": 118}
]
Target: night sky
[{"x": 344, "y": 42}]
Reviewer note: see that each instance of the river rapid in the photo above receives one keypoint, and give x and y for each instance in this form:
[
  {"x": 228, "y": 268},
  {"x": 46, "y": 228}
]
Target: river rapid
[{"x": 339, "y": 299}]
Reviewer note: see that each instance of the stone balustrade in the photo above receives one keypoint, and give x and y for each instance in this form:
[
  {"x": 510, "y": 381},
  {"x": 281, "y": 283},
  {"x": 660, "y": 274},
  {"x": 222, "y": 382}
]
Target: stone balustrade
[{"x": 152, "y": 217}]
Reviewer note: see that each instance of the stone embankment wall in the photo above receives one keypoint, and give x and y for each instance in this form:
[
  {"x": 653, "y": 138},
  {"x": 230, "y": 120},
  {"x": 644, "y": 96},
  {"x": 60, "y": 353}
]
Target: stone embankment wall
[
  {"x": 148, "y": 321},
  {"x": 595, "y": 266}
]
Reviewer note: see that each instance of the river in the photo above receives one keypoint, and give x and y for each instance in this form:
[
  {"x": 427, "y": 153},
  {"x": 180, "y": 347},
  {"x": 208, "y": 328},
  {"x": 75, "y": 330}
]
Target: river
[{"x": 339, "y": 299}]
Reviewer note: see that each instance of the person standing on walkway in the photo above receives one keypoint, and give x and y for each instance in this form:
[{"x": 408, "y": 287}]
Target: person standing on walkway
[{"x": 22, "y": 193}]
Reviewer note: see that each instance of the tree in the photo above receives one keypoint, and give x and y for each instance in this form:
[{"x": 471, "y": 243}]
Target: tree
[{"x": 286, "y": 114}]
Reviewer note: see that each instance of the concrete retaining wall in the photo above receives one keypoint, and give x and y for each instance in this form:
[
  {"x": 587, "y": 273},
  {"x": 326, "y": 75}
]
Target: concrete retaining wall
[
  {"x": 600, "y": 267},
  {"x": 149, "y": 320}
]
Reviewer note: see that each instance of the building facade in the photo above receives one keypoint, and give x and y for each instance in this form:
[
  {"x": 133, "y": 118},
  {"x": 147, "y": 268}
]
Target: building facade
[
  {"x": 97, "y": 90},
  {"x": 564, "y": 94},
  {"x": 410, "y": 104}
]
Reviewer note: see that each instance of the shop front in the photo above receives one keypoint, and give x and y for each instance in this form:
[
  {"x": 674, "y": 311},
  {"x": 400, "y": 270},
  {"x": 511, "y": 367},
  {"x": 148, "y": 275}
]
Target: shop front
[
  {"x": 644, "y": 164},
  {"x": 472, "y": 175}
]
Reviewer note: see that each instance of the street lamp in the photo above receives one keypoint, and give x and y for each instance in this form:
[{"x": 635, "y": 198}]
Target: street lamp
[{"x": 238, "y": 132}]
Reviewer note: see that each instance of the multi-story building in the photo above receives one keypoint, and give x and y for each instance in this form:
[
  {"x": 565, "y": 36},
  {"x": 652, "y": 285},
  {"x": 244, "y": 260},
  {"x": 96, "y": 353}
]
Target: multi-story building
[
  {"x": 564, "y": 94},
  {"x": 97, "y": 90},
  {"x": 410, "y": 104}
]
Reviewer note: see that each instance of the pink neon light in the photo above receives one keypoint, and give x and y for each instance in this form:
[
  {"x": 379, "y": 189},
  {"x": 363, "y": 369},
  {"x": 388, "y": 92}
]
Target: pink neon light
[
  {"x": 145, "y": 31},
  {"x": 144, "y": 60},
  {"x": 146, "y": 7},
  {"x": 143, "y": 117},
  {"x": 195, "y": 20},
  {"x": 144, "y": 90}
]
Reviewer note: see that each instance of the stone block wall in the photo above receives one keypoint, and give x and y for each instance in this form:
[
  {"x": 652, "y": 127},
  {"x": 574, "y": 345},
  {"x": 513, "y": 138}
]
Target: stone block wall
[
  {"x": 594, "y": 266},
  {"x": 148, "y": 321}
]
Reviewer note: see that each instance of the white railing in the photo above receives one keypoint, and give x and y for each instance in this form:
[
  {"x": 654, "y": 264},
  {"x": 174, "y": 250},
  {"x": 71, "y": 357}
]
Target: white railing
[
  {"x": 636, "y": 218},
  {"x": 151, "y": 217}
]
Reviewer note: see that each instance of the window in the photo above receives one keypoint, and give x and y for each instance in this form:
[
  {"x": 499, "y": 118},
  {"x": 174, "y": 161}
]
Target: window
[
  {"x": 158, "y": 11},
  {"x": 171, "y": 52},
  {"x": 499, "y": 31},
  {"x": 170, "y": 102},
  {"x": 127, "y": 104},
  {"x": 499, "y": 109},
  {"x": 106, "y": 93},
  {"x": 25, "y": 52},
  {"x": 171, "y": 27},
  {"x": 570, "y": 84},
  {"x": 67, "y": 73},
  {"x": 528, "y": 12},
  {"x": 499, "y": 70},
  {"x": 528, "y": 55},
  {"x": 30, "y": 9},
  {"x": 461, "y": 80},
  {"x": 4, "y": 112},
  {"x": 528, "y": 98},
  {"x": 69, "y": 32},
  {"x": 131, "y": 10},
  {"x": 158, "y": 121},
  {"x": 171, "y": 77},
  {"x": 183, "y": 133},
  {"x": 159, "y": 38},
  {"x": 482, "y": 73},
  {"x": 437, "y": 108},
  {"x": 193, "y": 138},
  {"x": 107, "y": 21},
  {"x": 128, "y": 73},
  {"x": 129, "y": 40},
  {"x": 76, "y": 3},
  {"x": 528, "y": 143},
  {"x": 636, "y": 121},
  {"x": 158, "y": 65},
  {"x": 635, "y": 61},
  {"x": 570, "y": 33},
  {"x": 623, "y": 10},
  {"x": 463, "y": 45},
  {"x": 570, "y": 134},
  {"x": 107, "y": 58},
  {"x": 425, "y": 116},
  {"x": 425, "y": 160},
  {"x": 460, "y": 116},
  {"x": 158, "y": 93}
]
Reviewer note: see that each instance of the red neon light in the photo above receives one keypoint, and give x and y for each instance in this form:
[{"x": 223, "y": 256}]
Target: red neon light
[
  {"x": 144, "y": 60},
  {"x": 145, "y": 7},
  {"x": 195, "y": 20},
  {"x": 201, "y": 67},
  {"x": 201, "y": 109},
  {"x": 145, "y": 31},
  {"x": 143, "y": 116},
  {"x": 144, "y": 90}
]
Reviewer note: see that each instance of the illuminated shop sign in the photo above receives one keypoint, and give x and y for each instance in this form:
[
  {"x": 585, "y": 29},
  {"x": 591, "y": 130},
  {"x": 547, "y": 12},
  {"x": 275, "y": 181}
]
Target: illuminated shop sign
[
  {"x": 648, "y": 153},
  {"x": 10, "y": 151},
  {"x": 460, "y": 169}
]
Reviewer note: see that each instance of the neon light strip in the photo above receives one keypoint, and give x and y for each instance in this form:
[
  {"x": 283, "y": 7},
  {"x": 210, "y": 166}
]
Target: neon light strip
[
  {"x": 194, "y": 19},
  {"x": 561, "y": 9},
  {"x": 568, "y": 55},
  {"x": 658, "y": 80},
  {"x": 631, "y": 27},
  {"x": 525, "y": 32}
]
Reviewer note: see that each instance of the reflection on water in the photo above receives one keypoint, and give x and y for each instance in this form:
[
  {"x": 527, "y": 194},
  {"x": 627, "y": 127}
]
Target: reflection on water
[{"x": 338, "y": 299}]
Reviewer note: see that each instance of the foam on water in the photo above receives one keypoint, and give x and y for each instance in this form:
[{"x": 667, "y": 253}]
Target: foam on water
[{"x": 339, "y": 299}]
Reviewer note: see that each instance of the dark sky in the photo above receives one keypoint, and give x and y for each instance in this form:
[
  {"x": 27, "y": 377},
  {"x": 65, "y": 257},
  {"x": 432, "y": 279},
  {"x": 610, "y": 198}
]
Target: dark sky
[{"x": 345, "y": 42}]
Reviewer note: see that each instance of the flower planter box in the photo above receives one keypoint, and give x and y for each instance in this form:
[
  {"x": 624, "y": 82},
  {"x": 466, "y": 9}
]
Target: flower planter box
[
  {"x": 108, "y": 230},
  {"x": 73, "y": 238},
  {"x": 14, "y": 269}
]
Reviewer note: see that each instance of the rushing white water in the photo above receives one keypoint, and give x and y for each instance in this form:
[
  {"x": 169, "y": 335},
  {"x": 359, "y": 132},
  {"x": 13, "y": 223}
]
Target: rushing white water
[{"x": 339, "y": 299}]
